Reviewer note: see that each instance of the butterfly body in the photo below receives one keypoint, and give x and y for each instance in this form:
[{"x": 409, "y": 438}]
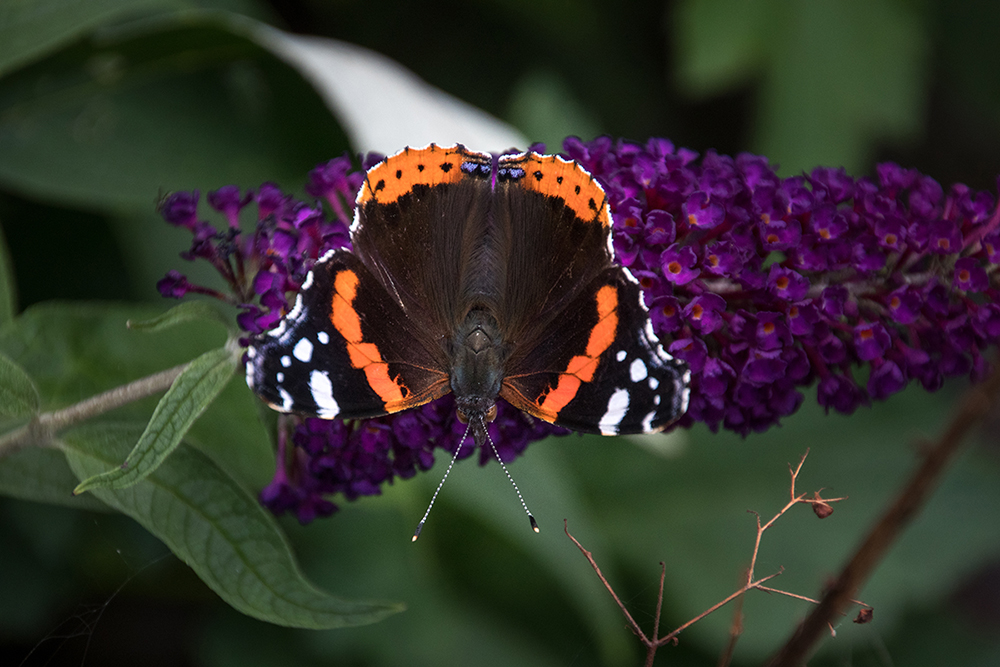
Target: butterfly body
[{"x": 490, "y": 277}]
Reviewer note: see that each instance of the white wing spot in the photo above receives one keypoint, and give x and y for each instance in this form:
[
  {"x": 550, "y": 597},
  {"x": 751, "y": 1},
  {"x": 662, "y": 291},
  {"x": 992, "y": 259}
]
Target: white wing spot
[
  {"x": 638, "y": 371},
  {"x": 656, "y": 400},
  {"x": 322, "y": 394},
  {"x": 286, "y": 361},
  {"x": 303, "y": 350},
  {"x": 286, "y": 399},
  {"x": 280, "y": 377},
  {"x": 647, "y": 422},
  {"x": 621, "y": 355},
  {"x": 323, "y": 337},
  {"x": 617, "y": 407},
  {"x": 653, "y": 383}
]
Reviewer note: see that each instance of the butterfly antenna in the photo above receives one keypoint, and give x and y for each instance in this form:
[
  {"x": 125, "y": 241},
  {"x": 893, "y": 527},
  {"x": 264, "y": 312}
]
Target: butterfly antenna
[
  {"x": 534, "y": 524},
  {"x": 420, "y": 526}
]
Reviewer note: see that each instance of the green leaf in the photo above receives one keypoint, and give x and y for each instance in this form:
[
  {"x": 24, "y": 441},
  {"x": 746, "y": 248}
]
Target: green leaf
[
  {"x": 189, "y": 311},
  {"x": 41, "y": 474},
  {"x": 188, "y": 396},
  {"x": 218, "y": 529},
  {"x": 18, "y": 394},
  {"x": 170, "y": 102},
  {"x": 30, "y": 28}
]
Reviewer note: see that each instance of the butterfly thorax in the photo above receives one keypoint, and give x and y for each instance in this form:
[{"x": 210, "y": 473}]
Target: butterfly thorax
[{"x": 477, "y": 355}]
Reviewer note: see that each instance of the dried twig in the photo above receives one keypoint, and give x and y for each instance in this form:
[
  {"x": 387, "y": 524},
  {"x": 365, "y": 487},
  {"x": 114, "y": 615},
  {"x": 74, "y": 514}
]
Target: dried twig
[{"x": 750, "y": 582}]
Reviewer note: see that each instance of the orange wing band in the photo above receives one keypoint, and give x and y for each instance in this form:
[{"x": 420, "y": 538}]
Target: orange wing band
[
  {"x": 363, "y": 355},
  {"x": 581, "y": 368}
]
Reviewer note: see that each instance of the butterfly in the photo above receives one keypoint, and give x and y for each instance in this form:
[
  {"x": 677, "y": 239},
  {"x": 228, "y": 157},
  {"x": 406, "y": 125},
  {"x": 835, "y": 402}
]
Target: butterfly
[{"x": 492, "y": 277}]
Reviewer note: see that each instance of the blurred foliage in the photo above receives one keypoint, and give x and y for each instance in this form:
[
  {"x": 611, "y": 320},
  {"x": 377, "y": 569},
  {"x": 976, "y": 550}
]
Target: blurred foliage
[{"x": 104, "y": 104}]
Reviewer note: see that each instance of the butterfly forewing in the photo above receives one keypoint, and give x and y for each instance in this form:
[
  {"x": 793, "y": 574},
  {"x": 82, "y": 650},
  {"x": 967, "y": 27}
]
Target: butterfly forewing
[{"x": 346, "y": 350}]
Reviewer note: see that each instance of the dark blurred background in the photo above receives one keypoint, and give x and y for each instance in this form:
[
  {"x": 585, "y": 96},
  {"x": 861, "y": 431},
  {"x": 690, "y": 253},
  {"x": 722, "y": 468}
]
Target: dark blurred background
[{"x": 847, "y": 84}]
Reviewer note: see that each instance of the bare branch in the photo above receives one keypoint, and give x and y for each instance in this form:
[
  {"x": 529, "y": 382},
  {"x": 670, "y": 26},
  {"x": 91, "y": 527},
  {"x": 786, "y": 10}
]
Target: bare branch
[{"x": 40, "y": 431}]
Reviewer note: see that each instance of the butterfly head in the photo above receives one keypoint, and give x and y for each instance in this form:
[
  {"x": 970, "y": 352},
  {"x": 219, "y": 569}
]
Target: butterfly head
[{"x": 477, "y": 413}]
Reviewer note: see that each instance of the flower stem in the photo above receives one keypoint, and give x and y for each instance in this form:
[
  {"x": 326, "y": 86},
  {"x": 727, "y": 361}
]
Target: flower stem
[{"x": 40, "y": 430}]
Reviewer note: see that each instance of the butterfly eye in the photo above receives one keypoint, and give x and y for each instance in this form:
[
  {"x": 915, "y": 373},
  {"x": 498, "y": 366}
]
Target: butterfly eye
[
  {"x": 491, "y": 414},
  {"x": 461, "y": 417}
]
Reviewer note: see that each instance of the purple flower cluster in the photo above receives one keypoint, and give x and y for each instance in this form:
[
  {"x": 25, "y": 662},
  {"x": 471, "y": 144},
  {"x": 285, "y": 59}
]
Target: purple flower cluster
[{"x": 764, "y": 285}]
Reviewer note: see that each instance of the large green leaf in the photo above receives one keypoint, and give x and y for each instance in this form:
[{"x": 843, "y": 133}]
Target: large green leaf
[
  {"x": 188, "y": 101},
  {"x": 217, "y": 528},
  {"x": 189, "y": 395}
]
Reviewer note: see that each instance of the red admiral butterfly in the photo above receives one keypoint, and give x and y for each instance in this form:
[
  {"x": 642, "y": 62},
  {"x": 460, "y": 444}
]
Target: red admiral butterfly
[{"x": 481, "y": 275}]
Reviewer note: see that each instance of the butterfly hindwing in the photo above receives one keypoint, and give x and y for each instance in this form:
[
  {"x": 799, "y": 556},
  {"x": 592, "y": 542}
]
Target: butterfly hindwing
[
  {"x": 600, "y": 369},
  {"x": 346, "y": 350}
]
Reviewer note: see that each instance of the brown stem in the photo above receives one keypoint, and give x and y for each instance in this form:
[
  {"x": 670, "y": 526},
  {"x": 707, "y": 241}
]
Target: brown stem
[
  {"x": 975, "y": 405},
  {"x": 40, "y": 430}
]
